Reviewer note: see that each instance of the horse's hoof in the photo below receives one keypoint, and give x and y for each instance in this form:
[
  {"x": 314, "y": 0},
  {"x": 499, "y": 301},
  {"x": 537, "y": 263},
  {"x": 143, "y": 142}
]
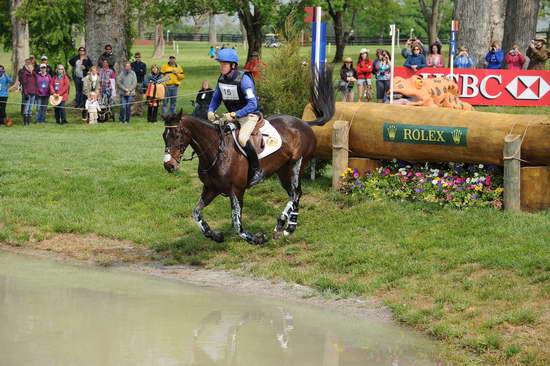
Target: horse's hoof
[
  {"x": 258, "y": 239},
  {"x": 215, "y": 235},
  {"x": 277, "y": 235}
]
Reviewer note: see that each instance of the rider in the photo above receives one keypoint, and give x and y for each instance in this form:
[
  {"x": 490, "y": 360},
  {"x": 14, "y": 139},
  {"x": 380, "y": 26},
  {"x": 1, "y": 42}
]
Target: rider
[{"x": 236, "y": 89}]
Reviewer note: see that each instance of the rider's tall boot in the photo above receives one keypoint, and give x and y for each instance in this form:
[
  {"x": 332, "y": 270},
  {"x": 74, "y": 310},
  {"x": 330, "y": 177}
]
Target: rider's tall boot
[{"x": 257, "y": 172}]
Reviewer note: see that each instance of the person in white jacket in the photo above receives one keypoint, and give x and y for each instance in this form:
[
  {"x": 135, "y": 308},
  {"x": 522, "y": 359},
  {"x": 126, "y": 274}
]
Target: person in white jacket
[{"x": 92, "y": 106}]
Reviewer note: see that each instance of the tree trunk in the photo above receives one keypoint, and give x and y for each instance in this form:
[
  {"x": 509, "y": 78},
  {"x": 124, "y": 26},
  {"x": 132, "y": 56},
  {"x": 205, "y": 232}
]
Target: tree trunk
[
  {"x": 159, "y": 41},
  {"x": 212, "y": 29},
  {"x": 521, "y": 23},
  {"x": 476, "y": 33},
  {"x": 20, "y": 39},
  {"x": 339, "y": 39},
  {"x": 251, "y": 20},
  {"x": 200, "y": 21},
  {"x": 141, "y": 27},
  {"x": 433, "y": 19},
  {"x": 105, "y": 24},
  {"x": 243, "y": 33}
]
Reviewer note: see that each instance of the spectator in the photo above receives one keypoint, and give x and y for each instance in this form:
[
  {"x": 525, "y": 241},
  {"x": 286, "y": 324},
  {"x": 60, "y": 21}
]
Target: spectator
[
  {"x": 43, "y": 60},
  {"x": 106, "y": 75},
  {"x": 28, "y": 61},
  {"x": 435, "y": 58},
  {"x": 382, "y": 71},
  {"x": 416, "y": 61},
  {"x": 5, "y": 81},
  {"x": 463, "y": 60},
  {"x": 59, "y": 86},
  {"x": 364, "y": 73},
  {"x": 202, "y": 101},
  {"x": 212, "y": 52},
  {"x": 348, "y": 76},
  {"x": 154, "y": 85},
  {"x": 81, "y": 64},
  {"x": 92, "y": 107},
  {"x": 90, "y": 84},
  {"x": 109, "y": 56},
  {"x": 43, "y": 80},
  {"x": 538, "y": 54},
  {"x": 495, "y": 56},
  {"x": 175, "y": 75},
  {"x": 140, "y": 68},
  {"x": 29, "y": 89},
  {"x": 410, "y": 44},
  {"x": 126, "y": 83},
  {"x": 514, "y": 59},
  {"x": 255, "y": 66}
]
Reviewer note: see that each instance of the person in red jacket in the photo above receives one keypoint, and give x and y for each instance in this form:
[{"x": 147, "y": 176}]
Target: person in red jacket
[
  {"x": 255, "y": 66},
  {"x": 59, "y": 86},
  {"x": 364, "y": 73},
  {"x": 514, "y": 59}
]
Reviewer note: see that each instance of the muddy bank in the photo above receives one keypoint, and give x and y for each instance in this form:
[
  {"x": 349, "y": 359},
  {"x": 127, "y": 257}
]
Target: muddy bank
[{"x": 124, "y": 255}]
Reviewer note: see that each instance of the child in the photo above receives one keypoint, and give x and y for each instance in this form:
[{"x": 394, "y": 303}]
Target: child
[{"x": 92, "y": 106}]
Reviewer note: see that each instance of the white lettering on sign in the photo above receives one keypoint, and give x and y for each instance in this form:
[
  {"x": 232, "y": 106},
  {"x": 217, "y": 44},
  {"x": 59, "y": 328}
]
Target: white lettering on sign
[
  {"x": 229, "y": 92},
  {"x": 469, "y": 82},
  {"x": 483, "y": 86}
]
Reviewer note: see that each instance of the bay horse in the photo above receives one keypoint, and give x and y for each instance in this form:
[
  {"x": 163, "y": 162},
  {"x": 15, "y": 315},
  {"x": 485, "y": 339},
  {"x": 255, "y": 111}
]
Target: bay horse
[{"x": 224, "y": 170}]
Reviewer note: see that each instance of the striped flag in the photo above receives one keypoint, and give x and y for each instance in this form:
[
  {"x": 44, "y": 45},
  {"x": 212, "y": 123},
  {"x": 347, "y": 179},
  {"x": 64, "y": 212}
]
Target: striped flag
[{"x": 455, "y": 25}]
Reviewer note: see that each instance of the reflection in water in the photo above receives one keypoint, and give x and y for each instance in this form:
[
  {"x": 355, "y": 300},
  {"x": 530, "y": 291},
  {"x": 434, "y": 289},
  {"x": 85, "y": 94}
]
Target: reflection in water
[{"x": 56, "y": 314}]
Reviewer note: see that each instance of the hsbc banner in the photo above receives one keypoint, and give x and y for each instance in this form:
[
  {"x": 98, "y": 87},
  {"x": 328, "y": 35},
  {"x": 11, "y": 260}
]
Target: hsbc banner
[{"x": 494, "y": 87}]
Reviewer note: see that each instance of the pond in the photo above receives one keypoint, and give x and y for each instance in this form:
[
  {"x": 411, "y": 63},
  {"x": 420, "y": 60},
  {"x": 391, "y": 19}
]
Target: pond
[{"x": 54, "y": 313}]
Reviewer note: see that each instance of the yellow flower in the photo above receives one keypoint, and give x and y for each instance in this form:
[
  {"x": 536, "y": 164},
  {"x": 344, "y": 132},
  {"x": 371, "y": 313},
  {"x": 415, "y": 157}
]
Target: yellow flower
[
  {"x": 438, "y": 179},
  {"x": 477, "y": 188},
  {"x": 499, "y": 190}
]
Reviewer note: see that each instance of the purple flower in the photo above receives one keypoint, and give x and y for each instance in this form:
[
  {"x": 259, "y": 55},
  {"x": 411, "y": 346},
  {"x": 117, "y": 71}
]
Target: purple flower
[
  {"x": 369, "y": 172},
  {"x": 418, "y": 190},
  {"x": 474, "y": 196},
  {"x": 362, "y": 186}
]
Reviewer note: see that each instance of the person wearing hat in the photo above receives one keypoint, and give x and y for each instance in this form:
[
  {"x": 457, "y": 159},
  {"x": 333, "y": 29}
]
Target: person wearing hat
[
  {"x": 364, "y": 74},
  {"x": 255, "y": 66},
  {"x": 43, "y": 60},
  {"x": 43, "y": 80},
  {"x": 59, "y": 90},
  {"x": 5, "y": 82},
  {"x": 348, "y": 77},
  {"x": 175, "y": 74},
  {"x": 81, "y": 64},
  {"x": 237, "y": 91},
  {"x": 538, "y": 54}
]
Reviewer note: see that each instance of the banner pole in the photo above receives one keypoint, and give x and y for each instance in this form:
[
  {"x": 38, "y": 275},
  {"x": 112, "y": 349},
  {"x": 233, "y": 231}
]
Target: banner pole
[
  {"x": 392, "y": 27},
  {"x": 318, "y": 37}
]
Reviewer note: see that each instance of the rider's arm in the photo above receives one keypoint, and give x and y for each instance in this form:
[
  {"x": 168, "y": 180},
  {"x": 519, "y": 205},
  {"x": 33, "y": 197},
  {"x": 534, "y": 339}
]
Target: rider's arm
[
  {"x": 216, "y": 100},
  {"x": 247, "y": 85}
]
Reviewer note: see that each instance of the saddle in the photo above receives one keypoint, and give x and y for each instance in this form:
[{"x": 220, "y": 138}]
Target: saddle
[{"x": 264, "y": 138}]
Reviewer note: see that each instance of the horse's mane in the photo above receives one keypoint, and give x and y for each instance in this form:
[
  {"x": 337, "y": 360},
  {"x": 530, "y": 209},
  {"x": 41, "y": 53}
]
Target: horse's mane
[{"x": 176, "y": 118}]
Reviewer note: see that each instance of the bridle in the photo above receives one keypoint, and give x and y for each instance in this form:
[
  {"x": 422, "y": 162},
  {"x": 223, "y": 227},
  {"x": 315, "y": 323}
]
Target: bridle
[{"x": 181, "y": 148}]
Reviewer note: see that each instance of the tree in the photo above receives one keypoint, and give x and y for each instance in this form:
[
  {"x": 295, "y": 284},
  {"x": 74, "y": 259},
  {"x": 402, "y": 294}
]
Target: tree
[
  {"x": 337, "y": 9},
  {"x": 212, "y": 28},
  {"x": 521, "y": 23},
  {"x": 20, "y": 38},
  {"x": 432, "y": 15},
  {"x": 107, "y": 23},
  {"x": 254, "y": 15},
  {"x": 481, "y": 22}
]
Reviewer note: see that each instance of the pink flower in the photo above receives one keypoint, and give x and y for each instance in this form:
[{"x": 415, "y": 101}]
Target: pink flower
[
  {"x": 488, "y": 180},
  {"x": 449, "y": 197},
  {"x": 356, "y": 175},
  {"x": 387, "y": 171},
  {"x": 410, "y": 174},
  {"x": 418, "y": 174}
]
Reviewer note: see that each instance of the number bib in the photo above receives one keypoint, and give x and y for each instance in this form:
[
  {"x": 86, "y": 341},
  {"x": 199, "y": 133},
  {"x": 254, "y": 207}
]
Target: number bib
[{"x": 229, "y": 92}]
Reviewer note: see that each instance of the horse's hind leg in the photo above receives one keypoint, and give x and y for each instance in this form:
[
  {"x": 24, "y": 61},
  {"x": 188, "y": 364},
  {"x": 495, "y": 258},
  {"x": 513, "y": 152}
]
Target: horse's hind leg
[
  {"x": 290, "y": 180},
  {"x": 236, "y": 215},
  {"x": 207, "y": 196}
]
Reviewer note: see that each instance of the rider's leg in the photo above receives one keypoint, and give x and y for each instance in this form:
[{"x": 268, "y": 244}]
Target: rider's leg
[{"x": 247, "y": 126}]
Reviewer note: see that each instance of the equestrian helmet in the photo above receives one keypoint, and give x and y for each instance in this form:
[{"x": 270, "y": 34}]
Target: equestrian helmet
[{"x": 228, "y": 55}]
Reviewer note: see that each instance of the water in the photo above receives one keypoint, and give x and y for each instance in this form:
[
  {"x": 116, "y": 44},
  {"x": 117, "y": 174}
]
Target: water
[{"x": 59, "y": 314}]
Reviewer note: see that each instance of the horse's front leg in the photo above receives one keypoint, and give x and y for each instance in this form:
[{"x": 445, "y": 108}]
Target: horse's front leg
[
  {"x": 207, "y": 196},
  {"x": 236, "y": 214}
]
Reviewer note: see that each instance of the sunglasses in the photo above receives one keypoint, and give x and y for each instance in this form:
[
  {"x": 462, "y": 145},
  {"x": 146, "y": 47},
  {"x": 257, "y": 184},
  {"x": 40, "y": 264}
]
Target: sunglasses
[{"x": 417, "y": 49}]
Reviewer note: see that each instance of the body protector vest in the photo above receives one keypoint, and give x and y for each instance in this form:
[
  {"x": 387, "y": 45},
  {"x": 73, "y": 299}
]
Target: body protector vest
[{"x": 233, "y": 95}]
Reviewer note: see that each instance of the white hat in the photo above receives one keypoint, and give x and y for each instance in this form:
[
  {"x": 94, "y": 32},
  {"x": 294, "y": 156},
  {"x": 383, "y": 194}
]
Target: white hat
[
  {"x": 55, "y": 99},
  {"x": 43, "y": 65},
  {"x": 44, "y": 57},
  {"x": 364, "y": 50}
]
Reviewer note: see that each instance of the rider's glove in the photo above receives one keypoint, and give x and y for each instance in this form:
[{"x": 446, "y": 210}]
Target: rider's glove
[
  {"x": 211, "y": 116},
  {"x": 230, "y": 116}
]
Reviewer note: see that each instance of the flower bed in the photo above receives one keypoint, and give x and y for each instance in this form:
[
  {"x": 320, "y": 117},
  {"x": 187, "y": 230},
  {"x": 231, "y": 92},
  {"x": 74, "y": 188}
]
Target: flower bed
[{"x": 456, "y": 184}]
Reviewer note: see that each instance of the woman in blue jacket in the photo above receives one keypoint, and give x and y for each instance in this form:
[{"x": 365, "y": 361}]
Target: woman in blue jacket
[
  {"x": 417, "y": 60},
  {"x": 495, "y": 56},
  {"x": 5, "y": 81}
]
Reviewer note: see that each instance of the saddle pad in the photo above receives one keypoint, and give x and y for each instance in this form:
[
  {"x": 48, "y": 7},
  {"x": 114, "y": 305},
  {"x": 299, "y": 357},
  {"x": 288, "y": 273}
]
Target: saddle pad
[{"x": 272, "y": 139}]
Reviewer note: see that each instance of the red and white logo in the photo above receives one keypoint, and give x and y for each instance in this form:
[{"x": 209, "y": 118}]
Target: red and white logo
[{"x": 528, "y": 87}]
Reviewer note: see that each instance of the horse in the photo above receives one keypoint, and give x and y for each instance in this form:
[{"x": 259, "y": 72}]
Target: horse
[{"x": 224, "y": 170}]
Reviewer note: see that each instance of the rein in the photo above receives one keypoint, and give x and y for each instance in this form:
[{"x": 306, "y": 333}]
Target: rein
[{"x": 194, "y": 153}]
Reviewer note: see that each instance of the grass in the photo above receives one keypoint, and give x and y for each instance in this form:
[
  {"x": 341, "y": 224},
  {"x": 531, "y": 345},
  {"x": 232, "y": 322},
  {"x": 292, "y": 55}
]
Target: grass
[{"x": 476, "y": 280}]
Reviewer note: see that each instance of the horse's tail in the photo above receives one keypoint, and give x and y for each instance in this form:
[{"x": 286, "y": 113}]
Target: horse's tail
[{"x": 322, "y": 96}]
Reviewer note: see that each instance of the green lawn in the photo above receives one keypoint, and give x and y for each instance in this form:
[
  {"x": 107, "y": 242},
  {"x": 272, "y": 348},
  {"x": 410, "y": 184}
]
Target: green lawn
[{"x": 478, "y": 280}]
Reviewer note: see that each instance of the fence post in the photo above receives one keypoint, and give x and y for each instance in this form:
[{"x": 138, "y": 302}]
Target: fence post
[
  {"x": 340, "y": 147},
  {"x": 512, "y": 169}
]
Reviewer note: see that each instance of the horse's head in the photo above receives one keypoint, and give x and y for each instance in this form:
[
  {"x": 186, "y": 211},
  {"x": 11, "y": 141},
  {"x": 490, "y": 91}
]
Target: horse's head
[{"x": 176, "y": 139}]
